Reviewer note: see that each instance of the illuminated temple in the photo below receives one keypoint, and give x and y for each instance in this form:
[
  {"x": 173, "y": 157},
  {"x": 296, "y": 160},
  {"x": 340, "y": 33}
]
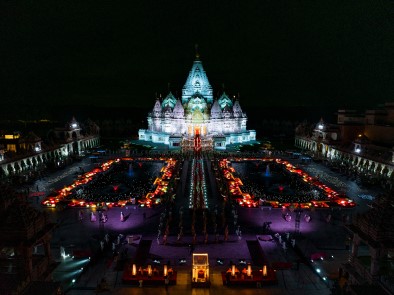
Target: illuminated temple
[{"x": 175, "y": 121}]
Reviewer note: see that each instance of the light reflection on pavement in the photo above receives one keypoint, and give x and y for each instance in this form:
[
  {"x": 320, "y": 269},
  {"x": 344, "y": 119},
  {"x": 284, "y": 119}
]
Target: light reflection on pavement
[{"x": 73, "y": 234}]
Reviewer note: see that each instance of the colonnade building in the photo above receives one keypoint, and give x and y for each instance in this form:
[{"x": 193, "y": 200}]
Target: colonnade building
[
  {"x": 363, "y": 141},
  {"x": 23, "y": 153}
]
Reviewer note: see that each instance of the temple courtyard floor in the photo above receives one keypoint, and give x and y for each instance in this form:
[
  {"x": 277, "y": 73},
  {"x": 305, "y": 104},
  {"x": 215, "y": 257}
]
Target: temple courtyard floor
[{"x": 300, "y": 275}]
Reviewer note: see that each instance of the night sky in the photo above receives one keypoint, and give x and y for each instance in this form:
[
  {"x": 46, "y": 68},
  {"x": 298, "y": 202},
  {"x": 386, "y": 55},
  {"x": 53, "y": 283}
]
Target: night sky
[{"x": 274, "y": 53}]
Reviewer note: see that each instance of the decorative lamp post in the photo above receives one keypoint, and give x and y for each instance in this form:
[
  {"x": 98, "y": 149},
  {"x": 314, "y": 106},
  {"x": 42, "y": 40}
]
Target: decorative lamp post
[
  {"x": 165, "y": 270},
  {"x": 264, "y": 271},
  {"x": 249, "y": 271},
  {"x": 149, "y": 270},
  {"x": 134, "y": 270}
]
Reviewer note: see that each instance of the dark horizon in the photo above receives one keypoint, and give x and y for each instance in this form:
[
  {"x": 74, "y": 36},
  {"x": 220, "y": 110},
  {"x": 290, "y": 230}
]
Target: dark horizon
[{"x": 274, "y": 54}]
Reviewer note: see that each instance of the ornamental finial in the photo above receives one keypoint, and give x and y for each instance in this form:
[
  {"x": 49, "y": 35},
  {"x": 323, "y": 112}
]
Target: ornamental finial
[{"x": 197, "y": 54}]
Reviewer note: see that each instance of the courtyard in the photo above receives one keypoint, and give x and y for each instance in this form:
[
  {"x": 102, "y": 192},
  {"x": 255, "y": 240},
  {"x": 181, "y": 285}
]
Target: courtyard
[{"x": 231, "y": 235}]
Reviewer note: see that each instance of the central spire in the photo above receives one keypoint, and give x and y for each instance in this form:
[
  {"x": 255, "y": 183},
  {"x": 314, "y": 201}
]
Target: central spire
[{"x": 197, "y": 83}]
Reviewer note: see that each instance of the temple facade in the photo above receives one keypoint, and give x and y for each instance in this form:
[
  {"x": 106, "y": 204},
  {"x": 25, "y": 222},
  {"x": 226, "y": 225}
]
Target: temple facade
[{"x": 175, "y": 121}]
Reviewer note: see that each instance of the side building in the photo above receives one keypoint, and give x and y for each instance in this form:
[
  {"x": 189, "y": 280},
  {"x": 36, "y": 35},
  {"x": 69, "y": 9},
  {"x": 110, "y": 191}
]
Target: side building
[
  {"x": 26, "y": 262},
  {"x": 369, "y": 269},
  {"x": 22, "y": 154},
  {"x": 360, "y": 143}
]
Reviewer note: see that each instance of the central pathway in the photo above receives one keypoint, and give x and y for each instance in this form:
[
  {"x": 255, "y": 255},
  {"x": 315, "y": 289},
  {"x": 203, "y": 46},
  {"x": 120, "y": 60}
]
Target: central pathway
[{"x": 208, "y": 239}]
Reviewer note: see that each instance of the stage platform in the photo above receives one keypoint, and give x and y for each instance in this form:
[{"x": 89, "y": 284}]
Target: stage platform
[
  {"x": 154, "y": 280},
  {"x": 255, "y": 280}
]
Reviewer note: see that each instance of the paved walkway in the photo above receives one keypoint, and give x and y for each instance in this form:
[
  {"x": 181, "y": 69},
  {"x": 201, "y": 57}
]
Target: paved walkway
[{"x": 316, "y": 236}]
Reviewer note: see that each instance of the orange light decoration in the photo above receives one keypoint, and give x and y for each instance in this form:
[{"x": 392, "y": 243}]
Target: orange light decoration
[
  {"x": 134, "y": 270},
  {"x": 165, "y": 270},
  {"x": 149, "y": 270},
  {"x": 246, "y": 200},
  {"x": 88, "y": 176},
  {"x": 161, "y": 184}
]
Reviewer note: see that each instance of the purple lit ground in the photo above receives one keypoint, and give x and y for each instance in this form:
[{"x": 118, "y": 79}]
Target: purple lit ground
[{"x": 316, "y": 236}]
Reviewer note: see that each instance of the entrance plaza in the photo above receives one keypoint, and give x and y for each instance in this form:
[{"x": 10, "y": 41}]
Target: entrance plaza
[{"x": 153, "y": 234}]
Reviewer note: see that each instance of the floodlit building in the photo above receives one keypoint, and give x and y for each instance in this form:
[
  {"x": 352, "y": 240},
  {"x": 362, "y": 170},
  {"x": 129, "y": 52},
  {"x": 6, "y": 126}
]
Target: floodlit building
[
  {"x": 21, "y": 154},
  {"x": 175, "y": 121},
  {"x": 361, "y": 143}
]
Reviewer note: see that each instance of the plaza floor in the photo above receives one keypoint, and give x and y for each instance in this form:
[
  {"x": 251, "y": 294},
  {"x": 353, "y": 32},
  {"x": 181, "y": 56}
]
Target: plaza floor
[{"x": 315, "y": 237}]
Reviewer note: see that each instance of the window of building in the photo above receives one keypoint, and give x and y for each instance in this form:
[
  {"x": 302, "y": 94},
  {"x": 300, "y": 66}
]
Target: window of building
[{"x": 11, "y": 147}]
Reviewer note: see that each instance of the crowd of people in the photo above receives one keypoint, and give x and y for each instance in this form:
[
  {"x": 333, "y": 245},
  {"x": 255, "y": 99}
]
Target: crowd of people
[
  {"x": 278, "y": 185},
  {"x": 123, "y": 181}
]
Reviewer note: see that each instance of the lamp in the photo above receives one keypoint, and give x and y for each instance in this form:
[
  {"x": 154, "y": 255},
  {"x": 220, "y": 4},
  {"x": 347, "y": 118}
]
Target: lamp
[
  {"x": 134, "y": 270},
  {"x": 249, "y": 271},
  {"x": 264, "y": 271},
  {"x": 165, "y": 269},
  {"x": 149, "y": 270},
  {"x": 233, "y": 270}
]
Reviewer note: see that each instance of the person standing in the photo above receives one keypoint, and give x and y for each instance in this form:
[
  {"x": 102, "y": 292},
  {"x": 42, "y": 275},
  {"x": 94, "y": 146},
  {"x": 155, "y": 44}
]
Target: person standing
[{"x": 166, "y": 283}]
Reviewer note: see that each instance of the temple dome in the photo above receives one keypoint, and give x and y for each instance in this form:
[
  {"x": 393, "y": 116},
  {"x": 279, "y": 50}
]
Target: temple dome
[
  {"x": 157, "y": 109},
  {"x": 224, "y": 101},
  {"x": 169, "y": 101},
  {"x": 216, "y": 112},
  {"x": 179, "y": 112},
  {"x": 197, "y": 81},
  {"x": 174, "y": 121},
  {"x": 237, "y": 109},
  {"x": 197, "y": 101}
]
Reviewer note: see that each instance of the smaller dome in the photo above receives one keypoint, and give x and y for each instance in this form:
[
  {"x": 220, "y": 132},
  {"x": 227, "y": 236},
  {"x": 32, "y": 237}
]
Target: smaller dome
[
  {"x": 179, "y": 112},
  {"x": 224, "y": 101},
  {"x": 157, "y": 109},
  {"x": 169, "y": 101},
  {"x": 216, "y": 112},
  {"x": 237, "y": 109}
]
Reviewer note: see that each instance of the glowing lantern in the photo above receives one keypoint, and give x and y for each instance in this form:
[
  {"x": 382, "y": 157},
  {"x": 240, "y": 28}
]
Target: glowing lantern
[
  {"x": 233, "y": 270},
  {"x": 249, "y": 271},
  {"x": 134, "y": 271},
  {"x": 264, "y": 271},
  {"x": 149, "y": 270},
  {"x": 165, "y": 269}
]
